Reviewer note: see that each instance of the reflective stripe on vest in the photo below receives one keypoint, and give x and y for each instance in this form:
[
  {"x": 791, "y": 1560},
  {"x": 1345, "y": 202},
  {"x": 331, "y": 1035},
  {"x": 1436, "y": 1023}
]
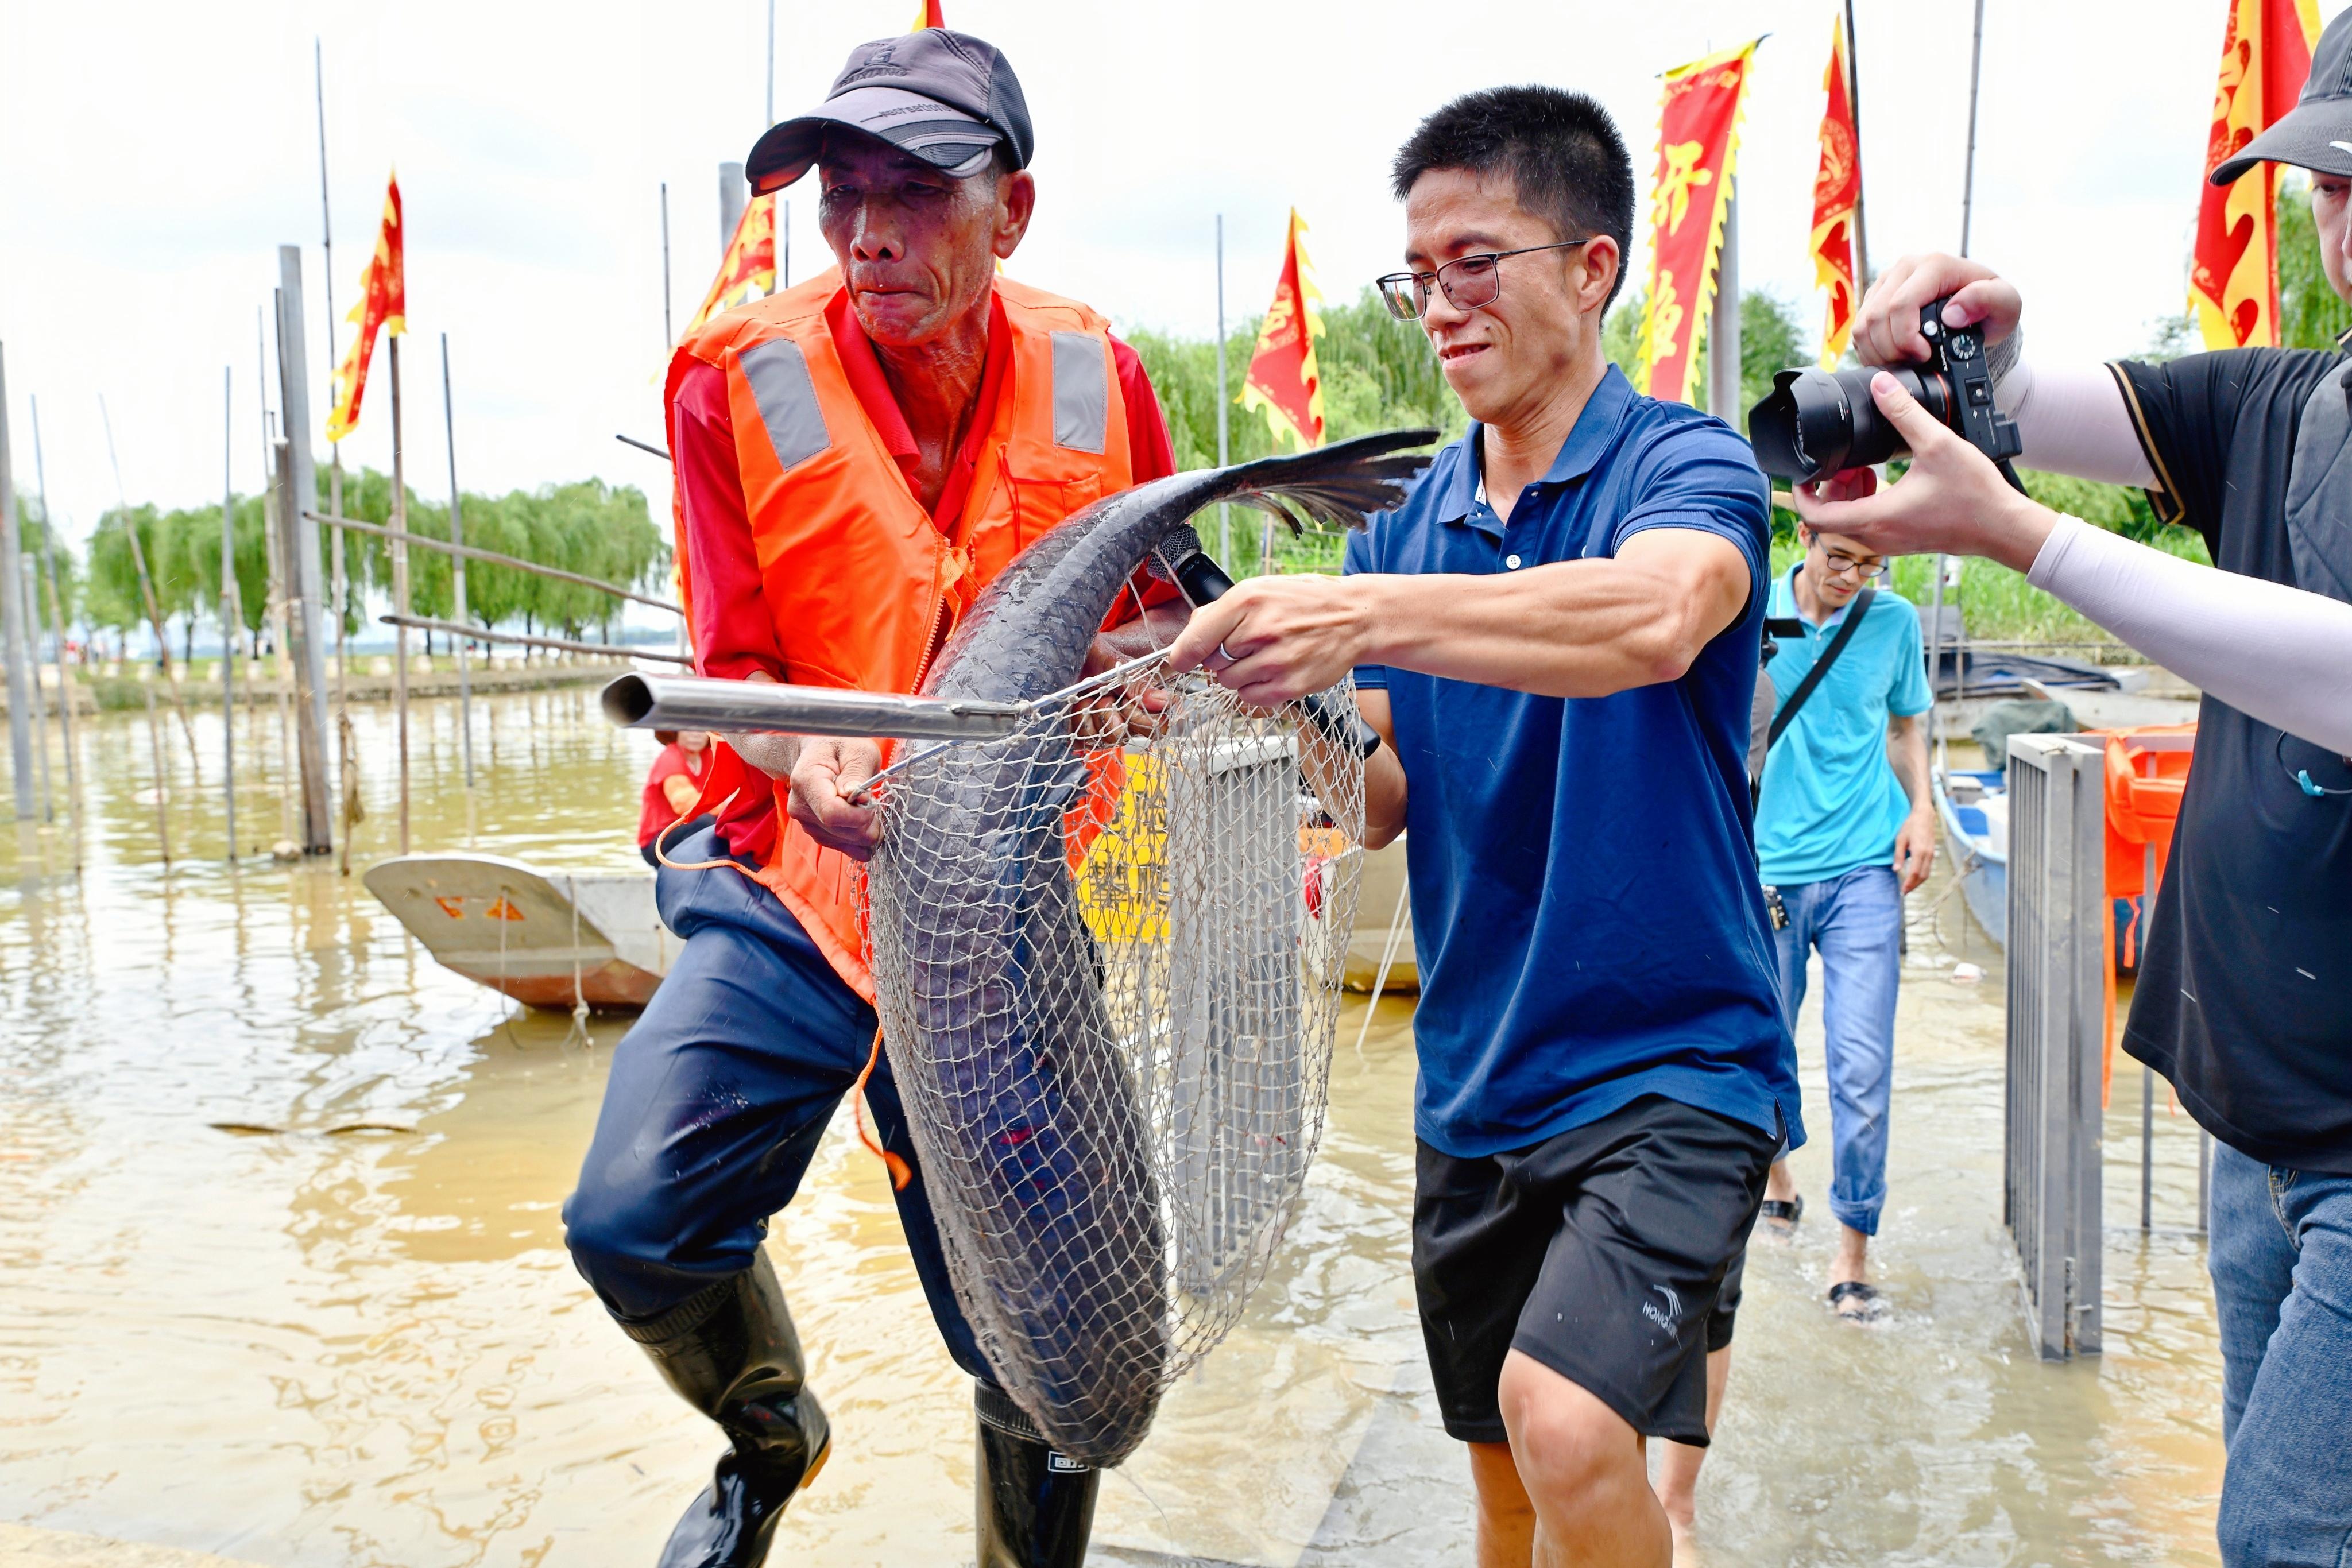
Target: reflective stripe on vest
[
  {"x": 779, "y": 375},
  {"x": 1081, "y": 392}
]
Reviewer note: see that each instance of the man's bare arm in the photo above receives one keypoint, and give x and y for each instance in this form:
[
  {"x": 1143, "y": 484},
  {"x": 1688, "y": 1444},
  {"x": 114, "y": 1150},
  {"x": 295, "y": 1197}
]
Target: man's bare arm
[
  {"x": 1575, "y": 629},
  {"x": 1915, "y": 844}
]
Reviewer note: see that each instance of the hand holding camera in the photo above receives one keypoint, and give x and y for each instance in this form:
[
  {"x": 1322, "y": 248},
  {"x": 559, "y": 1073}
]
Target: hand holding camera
[
  {"x": 1886, "y": 328},
  {"x": 1953, "y": 499},
  {"x": 1816, "y": 423}
]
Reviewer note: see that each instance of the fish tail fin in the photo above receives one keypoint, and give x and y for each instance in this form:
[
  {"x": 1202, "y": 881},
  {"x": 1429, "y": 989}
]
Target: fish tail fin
[{"x": 1334, "y": 484}]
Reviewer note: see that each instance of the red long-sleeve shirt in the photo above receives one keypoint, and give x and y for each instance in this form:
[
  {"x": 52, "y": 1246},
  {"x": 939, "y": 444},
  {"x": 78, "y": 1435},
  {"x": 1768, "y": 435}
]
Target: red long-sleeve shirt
[{"x": 734, "y": 633}]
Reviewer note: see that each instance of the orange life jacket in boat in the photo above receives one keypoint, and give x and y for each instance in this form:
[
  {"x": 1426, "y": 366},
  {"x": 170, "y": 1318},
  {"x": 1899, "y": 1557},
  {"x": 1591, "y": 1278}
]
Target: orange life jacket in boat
[{"x": 862, "y": 586}]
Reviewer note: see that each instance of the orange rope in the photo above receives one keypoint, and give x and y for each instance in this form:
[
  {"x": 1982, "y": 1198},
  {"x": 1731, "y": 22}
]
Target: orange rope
[{"x": 901, "y": 1172}]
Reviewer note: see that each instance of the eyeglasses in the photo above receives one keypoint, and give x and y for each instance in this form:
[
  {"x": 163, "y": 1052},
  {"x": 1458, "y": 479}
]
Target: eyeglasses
[
  {"x": 1835, "y": 565},
  {"x": 1468, "y": 281}
]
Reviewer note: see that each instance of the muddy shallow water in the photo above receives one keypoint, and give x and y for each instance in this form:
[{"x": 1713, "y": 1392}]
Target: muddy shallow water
[{"x": 284, "y": 1276}]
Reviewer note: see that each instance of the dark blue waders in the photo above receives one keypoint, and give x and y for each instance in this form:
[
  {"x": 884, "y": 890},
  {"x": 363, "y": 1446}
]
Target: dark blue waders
[{"x": 712, "y": 1110}]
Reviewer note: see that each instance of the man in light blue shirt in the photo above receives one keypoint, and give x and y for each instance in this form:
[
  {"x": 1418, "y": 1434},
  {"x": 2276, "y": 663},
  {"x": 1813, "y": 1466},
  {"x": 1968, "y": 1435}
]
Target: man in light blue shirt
[{"x": 1845, "y": 828}]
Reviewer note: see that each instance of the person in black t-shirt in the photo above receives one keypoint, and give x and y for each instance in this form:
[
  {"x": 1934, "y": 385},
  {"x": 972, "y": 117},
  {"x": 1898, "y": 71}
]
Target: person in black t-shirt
[{"x": 2244, "y": 998}]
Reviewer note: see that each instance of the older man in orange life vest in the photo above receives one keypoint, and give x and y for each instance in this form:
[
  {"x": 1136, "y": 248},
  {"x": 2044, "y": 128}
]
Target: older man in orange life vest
[{"x": 856, "y": 457}]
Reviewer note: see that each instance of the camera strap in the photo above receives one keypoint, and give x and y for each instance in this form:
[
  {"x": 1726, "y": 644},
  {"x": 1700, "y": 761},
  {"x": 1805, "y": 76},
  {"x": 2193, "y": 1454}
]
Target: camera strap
[{"x": 1846, "y": 628}]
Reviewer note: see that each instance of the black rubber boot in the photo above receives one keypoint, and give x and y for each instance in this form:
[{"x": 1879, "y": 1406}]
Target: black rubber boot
[
  {"x": 1035, "y": 1508},
  {"x": 731, "y": 1351}
]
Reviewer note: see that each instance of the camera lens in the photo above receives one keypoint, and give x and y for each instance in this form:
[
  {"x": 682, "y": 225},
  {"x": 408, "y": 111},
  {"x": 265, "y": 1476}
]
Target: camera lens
[{"x": 1817, "y": 422}]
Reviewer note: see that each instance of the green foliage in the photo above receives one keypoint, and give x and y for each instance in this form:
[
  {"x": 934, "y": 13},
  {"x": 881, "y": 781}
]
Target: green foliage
[
  {"x": 588, "y": 528},
  {"x": 2310, "y": 315}
]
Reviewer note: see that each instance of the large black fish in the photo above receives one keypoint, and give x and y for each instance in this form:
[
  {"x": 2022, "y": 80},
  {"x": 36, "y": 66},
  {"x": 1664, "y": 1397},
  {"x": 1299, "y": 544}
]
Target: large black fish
[{"x": 1028, "y": 1121}]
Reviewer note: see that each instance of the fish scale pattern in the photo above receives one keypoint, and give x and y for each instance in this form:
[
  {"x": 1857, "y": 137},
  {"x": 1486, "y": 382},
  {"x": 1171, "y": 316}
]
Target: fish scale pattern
[{"x": 1112, "y": 1030}]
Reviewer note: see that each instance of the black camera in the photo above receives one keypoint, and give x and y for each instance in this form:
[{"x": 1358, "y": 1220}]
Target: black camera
[{"x": 1814, "y": 423}]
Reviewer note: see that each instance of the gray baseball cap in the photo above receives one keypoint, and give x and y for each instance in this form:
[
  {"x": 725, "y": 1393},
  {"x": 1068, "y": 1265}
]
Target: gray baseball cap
[
  {"x": 2317, "y": 133},
  {"x": 947, "y": 98}
]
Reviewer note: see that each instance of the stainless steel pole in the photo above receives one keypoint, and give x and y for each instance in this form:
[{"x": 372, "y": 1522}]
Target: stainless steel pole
[
  {"x": 229, "y": 610},
  {"x": 669, "y": 338},
  {"x": 1723, "y": 324},
  {"x": 305, "y": 589},
  {"x": 399, "y": 595},
  {"x": 456, "y": 573},
  {"x": 12, "y": 626},
  {"x": 1224, "y": 512},
  {"x": 732, "y": 193}
]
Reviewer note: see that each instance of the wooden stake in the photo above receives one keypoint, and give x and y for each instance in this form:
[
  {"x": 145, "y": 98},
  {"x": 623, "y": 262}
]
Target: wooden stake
[{"x": 456, "y": 574}]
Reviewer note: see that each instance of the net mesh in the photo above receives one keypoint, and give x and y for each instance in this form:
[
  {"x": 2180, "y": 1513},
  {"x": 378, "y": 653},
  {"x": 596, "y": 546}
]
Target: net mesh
[{"x": 1108, "y": 951}]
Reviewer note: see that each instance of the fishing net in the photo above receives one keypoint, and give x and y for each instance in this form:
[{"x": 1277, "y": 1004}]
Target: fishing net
[{"x": 1108, "y": 950}]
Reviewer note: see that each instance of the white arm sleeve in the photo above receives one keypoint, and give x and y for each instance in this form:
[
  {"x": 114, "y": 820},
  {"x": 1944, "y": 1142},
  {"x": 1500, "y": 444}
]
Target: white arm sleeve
[
  {"x": 2072, "y": 420},
  {"x": 2278, "y": 655}
]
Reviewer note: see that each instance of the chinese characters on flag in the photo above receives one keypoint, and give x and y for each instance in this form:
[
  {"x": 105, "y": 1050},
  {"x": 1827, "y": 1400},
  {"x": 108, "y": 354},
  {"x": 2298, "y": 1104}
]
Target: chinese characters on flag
[
  {"x": 2234, "y": 267},
  {"x": 1283, "y": 379},
  {"x": 750, "y": 263},
  {"x": 1699, "y": 137},
  {"x": 1837, "y": 200},
  {"x": 383, "y": 302}
]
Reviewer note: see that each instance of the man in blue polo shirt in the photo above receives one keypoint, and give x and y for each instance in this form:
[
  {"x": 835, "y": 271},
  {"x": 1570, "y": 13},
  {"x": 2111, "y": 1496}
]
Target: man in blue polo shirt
[
  {"x": 1845, "y": 828},
  {"x": 1557, "y": 637}
]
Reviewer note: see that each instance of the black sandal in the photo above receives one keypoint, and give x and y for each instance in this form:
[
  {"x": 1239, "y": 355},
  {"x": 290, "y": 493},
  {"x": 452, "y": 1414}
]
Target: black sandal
[
  {"x": 1846, "y": 1291},
  {"x": 1783, "y": 1213}
]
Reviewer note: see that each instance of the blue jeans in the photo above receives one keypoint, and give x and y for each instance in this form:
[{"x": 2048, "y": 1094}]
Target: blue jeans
[
  {"x": 1856, "y": 921},
  {"x": 715, "y": 1101},
  {"x": 2281, "y": 1251}
]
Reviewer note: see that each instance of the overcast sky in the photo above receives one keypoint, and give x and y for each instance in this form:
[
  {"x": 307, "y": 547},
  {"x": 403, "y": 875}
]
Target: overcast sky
[{"x": 153, "y": 157}]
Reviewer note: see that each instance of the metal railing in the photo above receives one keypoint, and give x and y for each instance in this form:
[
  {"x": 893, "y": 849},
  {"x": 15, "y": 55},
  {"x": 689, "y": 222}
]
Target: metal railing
[{"x": 2051, "y": 1188}]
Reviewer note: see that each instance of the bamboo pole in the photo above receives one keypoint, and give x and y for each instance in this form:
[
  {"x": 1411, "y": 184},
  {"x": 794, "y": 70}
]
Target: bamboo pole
[
  {"x": 28, "y": 583},
  {"x": 456, "y": 574},
  {"x": 346, "y": 739},
  {"x": 400, "y": 594},
  {"x": 57, "y": 632},
  {"x": 491, "y": 558},
  {"x": 163, "y": 781},
  {"x": 228, "y": 616},
  {"x": 1854, "y": 107},
  {"x": 561, "y": 644}
]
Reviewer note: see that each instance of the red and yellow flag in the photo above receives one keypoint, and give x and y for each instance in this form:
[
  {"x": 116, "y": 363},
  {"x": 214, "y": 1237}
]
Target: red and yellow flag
[
  {"x": 1698, "y": 141},
  {"x": 2233, "y": 269},
  {"x": 928, "y": 17},
  {"x": 1837, "y": 201},
  {"x": 1283, "y": 379},
  {"x": 749, "y": 261},
  {"x": 383, "y": 302}
]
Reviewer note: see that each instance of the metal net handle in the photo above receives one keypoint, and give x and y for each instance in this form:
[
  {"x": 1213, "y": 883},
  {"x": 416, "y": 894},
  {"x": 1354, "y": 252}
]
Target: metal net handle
[{"x": 1067, "y": 697}]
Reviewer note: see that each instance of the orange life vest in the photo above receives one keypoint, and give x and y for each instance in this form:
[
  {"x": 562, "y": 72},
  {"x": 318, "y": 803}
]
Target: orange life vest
[{"x": 860, "y": 583}]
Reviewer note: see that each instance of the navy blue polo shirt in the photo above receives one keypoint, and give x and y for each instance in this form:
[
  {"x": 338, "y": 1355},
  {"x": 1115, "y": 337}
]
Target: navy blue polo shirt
[{"x": 1586, "y": 913}]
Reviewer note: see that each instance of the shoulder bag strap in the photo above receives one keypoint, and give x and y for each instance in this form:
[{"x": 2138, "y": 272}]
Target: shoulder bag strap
[{"x": 1820, "y": 666}]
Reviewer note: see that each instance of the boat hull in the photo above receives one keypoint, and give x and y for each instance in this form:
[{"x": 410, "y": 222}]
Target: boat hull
[{"x": 547, "y": 939}]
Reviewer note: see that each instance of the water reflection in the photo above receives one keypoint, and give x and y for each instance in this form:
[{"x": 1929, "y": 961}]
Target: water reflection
[{"x": 307, "y": 1344}]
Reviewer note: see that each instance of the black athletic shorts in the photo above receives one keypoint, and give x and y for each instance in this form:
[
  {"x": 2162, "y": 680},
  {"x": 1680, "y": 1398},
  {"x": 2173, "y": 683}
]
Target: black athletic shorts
[{"x": 1610, "y": 1253}]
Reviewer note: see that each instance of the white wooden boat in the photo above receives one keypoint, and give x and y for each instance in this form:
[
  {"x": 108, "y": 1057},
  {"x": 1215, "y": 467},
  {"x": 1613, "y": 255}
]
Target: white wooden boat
[
  {"x": 1973, "y": 805},
  {"x": 548, "y": 938}
]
